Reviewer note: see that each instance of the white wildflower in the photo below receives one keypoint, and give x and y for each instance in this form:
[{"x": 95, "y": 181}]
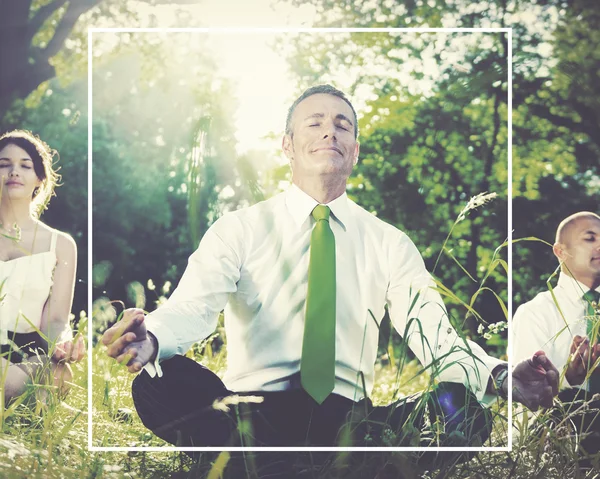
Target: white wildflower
[{"x": 475, "y": 202}]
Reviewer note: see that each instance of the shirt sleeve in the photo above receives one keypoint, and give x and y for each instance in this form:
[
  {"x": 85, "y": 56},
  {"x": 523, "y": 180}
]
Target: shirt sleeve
[
  {"x": 419, "y": 315},
  {"x": 530, "y": 333},
  {"x": 211, "y": 275}
]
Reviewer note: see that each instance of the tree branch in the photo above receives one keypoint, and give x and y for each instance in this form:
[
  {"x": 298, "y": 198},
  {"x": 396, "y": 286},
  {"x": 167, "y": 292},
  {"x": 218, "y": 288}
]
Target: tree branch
[
  {"x": 65, "y": 26},
  {"x": 42, "y": 15}
]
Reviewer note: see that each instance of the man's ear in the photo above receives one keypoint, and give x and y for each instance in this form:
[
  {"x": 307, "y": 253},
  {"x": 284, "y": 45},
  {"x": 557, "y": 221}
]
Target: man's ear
[
  {"x": 356, "y": 152},
  {"x": 560, "y": 251},
  {"x": 287, "y": 147}
]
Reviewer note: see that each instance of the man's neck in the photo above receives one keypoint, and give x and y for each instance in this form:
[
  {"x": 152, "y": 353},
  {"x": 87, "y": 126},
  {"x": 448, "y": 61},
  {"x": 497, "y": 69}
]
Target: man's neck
[
  {"x": 592, "y": 282},
  {"x": 324, "y": 191}
]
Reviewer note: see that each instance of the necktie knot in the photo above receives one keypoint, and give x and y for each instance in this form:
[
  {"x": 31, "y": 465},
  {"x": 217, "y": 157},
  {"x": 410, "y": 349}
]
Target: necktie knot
[
  {"x": 321, "y": 212},
  {"x": 592, "y": 296}
]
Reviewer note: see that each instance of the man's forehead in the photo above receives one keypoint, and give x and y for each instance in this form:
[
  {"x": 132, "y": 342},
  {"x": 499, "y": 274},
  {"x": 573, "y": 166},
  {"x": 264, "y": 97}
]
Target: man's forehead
[
  {"x": 582, "y": 225},
  {"x": 321, "y": 103}
]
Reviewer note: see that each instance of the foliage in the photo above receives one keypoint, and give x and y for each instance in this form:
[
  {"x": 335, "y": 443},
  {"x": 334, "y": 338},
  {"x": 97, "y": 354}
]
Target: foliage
[{"x": 424, "y": 153}]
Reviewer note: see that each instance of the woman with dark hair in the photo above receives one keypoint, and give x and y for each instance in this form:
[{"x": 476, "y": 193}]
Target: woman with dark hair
[{"x": 37, "y": 274}]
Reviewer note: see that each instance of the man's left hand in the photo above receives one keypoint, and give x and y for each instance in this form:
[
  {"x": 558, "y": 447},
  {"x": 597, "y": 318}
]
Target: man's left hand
[{"x": 535, "y": 382}]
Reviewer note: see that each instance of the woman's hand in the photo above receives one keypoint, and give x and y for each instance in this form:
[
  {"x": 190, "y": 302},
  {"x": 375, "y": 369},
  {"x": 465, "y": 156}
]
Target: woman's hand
[{"x": 71, "y": 351}]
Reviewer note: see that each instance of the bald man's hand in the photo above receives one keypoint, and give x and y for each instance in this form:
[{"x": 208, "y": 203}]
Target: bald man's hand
[
  {"x": 128, "y": 341},
  {"x": 582, "y": 356},
  {"x": 535, "y": 382}
]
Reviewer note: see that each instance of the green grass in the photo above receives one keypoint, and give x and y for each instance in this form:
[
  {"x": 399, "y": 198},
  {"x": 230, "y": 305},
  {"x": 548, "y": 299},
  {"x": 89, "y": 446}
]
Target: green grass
[{"x": 53, "y": 443}]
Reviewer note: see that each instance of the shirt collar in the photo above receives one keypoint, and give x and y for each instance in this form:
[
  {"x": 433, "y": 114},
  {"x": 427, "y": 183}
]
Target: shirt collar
[
  {"x": 572, "y": 287},
  {"x": 300, "y": 206}
]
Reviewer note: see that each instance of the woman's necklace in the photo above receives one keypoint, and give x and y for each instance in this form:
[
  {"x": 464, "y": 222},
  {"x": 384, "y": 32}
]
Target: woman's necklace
[{"x": 12, "y": 233}]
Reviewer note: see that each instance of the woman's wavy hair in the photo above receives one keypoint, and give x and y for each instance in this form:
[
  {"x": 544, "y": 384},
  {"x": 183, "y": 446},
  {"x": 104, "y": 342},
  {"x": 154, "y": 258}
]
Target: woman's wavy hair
[{"x": 43, "y": 165}]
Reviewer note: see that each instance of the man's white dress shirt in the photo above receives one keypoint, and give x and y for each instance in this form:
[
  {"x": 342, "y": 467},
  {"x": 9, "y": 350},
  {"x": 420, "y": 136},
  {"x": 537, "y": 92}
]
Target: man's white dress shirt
[
  {"x": 253, "y": 263},
  {"x": 549, "y": 326}
]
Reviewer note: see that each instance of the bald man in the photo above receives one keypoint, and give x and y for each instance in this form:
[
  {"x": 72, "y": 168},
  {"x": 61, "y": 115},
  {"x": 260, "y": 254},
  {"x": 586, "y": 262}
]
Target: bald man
[{"x": 561, "y": 322}]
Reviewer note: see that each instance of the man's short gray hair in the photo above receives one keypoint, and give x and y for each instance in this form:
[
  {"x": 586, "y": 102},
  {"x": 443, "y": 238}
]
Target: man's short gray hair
[{"x": 315, "y": 90}]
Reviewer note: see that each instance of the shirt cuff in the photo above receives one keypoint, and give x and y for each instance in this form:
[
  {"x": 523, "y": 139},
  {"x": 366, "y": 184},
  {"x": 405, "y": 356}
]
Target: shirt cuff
[
  {"x": 166, "y": 344},
  {"x": 485, "y": 398}
]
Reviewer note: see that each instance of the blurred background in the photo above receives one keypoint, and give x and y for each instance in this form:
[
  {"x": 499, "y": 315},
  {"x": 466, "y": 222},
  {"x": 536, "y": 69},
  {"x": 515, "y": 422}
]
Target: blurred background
[{"x": 188, "y": 125}]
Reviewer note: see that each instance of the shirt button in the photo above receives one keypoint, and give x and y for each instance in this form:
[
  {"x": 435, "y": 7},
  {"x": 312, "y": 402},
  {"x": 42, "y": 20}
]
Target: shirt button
[{"x": 449, "y": 330}]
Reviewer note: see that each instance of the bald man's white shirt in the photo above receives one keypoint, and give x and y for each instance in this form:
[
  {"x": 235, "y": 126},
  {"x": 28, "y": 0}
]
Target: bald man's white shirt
[
  {"x": 539, "y": 324},
  {"x": 253, "y": 263}
]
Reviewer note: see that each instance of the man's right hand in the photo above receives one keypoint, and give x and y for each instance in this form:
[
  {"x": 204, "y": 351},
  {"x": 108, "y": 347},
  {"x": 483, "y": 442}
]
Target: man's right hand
[
  {"x": 535, "y": 382},
  {"x": 128, "y": 341},
  {"x": 582, "y": 355}
]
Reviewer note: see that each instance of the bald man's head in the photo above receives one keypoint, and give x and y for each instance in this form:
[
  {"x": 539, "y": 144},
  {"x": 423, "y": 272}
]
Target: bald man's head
[
  {"x": 562, "y": 232},
  {"x": 577, "y": 247}
]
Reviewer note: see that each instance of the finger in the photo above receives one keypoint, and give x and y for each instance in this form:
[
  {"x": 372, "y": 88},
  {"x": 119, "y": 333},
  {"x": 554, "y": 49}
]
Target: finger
[
  {"x": 127, "y": 357},
  {"x": 58, "y": 355},
  {"x": 80, "y": 343},
  {"x": 69, "y": 349},
  {"x": 580, "y": 354},
  {"x": 78, "y": 351},
  {"x": 586, "y": 352},
  {"x": 127, "y": 324},
  {"x": 132, "y": 312},
  {"x": 135, "y": 367},
  {"x": 82, "y": 349},
  {"x": 542, "y": 363},
  {"x": 117, "y": 347},
  {"x": 552, "y": 378},
  {"x": 576, "y": 342},
  {"x": 122, "y": 327}
]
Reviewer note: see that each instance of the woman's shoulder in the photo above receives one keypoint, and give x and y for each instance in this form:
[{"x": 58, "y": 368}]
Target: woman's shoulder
[{"x": 62, "y": 243}]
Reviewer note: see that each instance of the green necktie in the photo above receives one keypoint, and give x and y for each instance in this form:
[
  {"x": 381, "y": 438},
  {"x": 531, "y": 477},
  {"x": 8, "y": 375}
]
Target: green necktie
[
  {"x": 592, "y": 332},
  {"x": 317, "y": 367}
]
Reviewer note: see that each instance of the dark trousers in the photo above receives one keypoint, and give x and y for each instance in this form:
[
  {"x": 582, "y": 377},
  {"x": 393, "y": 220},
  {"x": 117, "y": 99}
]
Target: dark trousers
[
  {"x": 22, "y": 346},
  {"x": 579, "y": 412},
  {"x": 190, "y": 406}
]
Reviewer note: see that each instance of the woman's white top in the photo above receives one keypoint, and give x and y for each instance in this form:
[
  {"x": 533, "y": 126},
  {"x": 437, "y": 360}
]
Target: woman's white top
[{"x": 25, "y": 284}]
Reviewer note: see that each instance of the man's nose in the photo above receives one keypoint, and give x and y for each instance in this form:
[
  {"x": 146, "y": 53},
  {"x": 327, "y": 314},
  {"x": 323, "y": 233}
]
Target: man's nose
[{"x": 329, "y": 128}]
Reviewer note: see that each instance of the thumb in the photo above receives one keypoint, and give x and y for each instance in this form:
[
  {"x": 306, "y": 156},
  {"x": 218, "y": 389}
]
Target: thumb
[{"x": 540, "y": 361}]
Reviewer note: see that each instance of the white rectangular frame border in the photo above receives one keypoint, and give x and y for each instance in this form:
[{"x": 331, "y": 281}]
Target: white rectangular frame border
[{"x": 91, "y": 31}]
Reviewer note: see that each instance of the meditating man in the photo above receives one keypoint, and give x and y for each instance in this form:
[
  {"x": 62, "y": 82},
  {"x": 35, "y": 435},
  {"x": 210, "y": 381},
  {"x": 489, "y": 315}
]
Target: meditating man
[
  {"x": 564, "y": 323},
  {"x": 303, "y": 279}
]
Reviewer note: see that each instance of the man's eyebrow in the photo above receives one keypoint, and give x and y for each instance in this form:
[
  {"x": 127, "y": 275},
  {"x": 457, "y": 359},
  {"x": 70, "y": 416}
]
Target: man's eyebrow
[
  {"x": 339, "y": 116},
  {"x": 315, "y": 115},
  {"x": 343, "y": 117}
]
